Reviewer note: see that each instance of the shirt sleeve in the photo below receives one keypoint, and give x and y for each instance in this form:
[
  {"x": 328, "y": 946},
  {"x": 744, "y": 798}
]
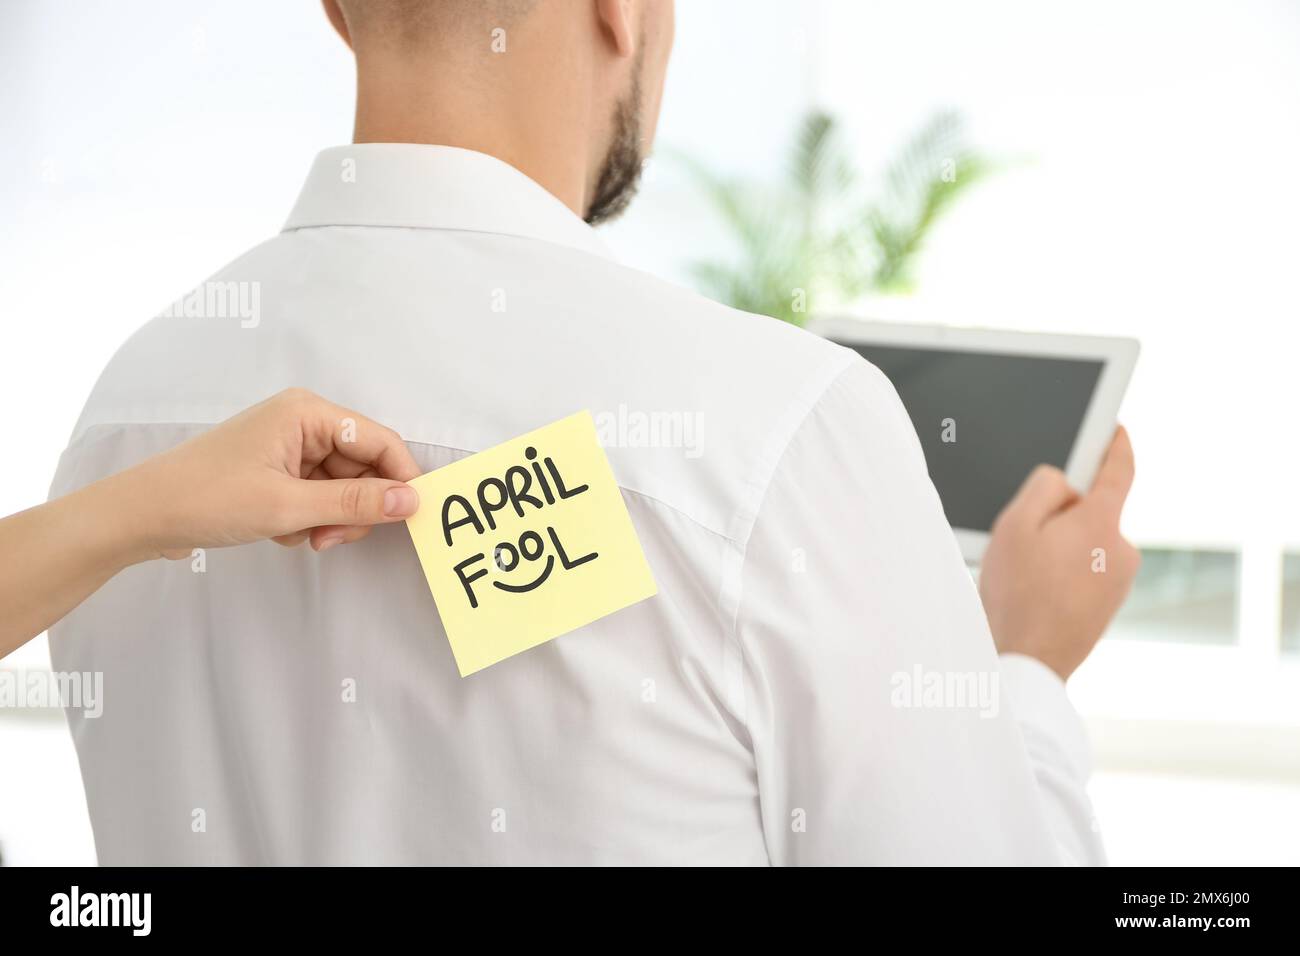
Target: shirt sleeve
[{"x": 884, "y": 729}]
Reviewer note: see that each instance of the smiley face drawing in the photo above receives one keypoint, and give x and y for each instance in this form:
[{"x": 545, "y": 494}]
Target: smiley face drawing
[
  {"x": 527, "y": 541},
  {"x": 507, "y": 557},
  {"x": 508, "y": 564}
]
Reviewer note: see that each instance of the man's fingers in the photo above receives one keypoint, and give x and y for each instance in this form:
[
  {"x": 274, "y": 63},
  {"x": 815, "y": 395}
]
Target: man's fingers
[
  {"x": 1115, "y": 476},
  {"x": 347, "y": 501},
  {"x": 1043, "y": 494}
]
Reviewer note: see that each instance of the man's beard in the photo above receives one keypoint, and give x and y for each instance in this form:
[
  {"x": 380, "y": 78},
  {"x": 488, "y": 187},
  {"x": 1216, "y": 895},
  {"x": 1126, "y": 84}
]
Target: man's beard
[{"x": 621, "y": 171}]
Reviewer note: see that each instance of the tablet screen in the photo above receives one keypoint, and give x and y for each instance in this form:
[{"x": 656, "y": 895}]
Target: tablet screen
[{"x": 1008, "y": 413}]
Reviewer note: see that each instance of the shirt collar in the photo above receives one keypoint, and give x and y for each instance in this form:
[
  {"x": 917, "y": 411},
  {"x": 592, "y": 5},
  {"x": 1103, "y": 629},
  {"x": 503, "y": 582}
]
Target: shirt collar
[{"x": 416, "y": 186}]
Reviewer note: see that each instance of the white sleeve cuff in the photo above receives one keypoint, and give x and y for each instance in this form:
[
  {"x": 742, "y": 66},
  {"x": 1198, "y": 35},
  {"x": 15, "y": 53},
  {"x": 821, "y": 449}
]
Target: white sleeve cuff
[{"x": 1048, "y": 721}]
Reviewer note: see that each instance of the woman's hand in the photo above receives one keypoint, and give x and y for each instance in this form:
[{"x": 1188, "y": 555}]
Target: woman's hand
[{"x": 293, "y": 468}]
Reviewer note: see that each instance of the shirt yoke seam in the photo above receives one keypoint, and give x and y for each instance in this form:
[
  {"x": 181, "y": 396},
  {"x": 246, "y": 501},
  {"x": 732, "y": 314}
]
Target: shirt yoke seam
[{"x": 85, "y": 437}]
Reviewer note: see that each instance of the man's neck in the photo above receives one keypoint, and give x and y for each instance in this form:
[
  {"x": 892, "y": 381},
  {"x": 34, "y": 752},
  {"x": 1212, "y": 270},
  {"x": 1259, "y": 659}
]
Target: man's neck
[{"x": 542, "y": 133}]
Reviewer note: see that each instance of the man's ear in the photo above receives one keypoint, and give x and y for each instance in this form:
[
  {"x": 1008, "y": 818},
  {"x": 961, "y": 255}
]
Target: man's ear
[
  {"x": 616, "y": 21},
  {"x": 336, "y": 20}
]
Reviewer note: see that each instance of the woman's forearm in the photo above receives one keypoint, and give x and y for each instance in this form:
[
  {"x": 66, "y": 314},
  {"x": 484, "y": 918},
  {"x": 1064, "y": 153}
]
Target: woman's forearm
[
  {"x": 57, "y": 554},
  {"x": 285, "y": 469}
]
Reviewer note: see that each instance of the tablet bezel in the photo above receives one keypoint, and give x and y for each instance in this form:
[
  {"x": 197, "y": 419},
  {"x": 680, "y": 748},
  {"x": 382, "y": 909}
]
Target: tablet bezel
[{"x": 1117, "y": 354}]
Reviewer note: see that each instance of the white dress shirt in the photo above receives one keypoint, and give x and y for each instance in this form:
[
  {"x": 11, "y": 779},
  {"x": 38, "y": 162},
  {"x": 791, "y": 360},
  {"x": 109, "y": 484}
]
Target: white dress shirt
[{"x": 793, "y": 694}]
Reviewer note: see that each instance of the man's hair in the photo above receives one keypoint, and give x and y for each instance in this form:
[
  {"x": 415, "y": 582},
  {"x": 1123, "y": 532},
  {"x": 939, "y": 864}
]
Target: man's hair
[
  {"x": 411, "y": 26},
  {"x": 408, "y": 24}
]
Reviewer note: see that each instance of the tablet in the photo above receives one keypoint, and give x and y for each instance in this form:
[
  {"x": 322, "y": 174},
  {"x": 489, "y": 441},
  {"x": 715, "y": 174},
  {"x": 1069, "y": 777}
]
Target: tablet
[{"x": 989, "y": 405}]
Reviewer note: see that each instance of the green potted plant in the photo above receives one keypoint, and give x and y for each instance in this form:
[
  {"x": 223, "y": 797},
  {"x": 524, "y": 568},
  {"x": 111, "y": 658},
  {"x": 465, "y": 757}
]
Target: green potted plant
[{"x": 818, "y": 236}]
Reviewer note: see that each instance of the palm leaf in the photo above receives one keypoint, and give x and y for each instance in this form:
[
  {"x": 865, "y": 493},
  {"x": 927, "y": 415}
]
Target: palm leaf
[{"x": 797, "y": 236}]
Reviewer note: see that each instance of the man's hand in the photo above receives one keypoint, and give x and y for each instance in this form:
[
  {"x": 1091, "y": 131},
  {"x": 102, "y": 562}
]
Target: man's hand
[{"x": 1057, "y": 568}]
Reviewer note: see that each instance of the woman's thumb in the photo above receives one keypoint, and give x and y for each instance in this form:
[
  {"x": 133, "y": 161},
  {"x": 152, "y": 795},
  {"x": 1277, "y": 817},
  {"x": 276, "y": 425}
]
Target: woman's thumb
[{"x": 356, "y": 501}]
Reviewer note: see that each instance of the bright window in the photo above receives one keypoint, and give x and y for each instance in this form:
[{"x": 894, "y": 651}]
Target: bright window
[
  {"x": 1291, "y": 603},
  {"x": 1183, "y": 596}
]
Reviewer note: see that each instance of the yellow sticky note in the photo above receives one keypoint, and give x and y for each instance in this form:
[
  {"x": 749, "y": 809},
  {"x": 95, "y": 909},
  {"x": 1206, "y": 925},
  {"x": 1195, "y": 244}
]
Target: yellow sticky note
[{"x": 526, "y": 541}]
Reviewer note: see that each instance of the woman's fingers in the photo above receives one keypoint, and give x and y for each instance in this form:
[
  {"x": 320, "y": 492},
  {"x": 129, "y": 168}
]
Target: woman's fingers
[
  {"x": 344, "y": 501},
  {"x": 291, "y": 540},
  {"x": 332, "y": 432},
  {"x": 334, "y": 467},
  {"x": 322, "y": 539},
  {"x": 338, "y": 465}
]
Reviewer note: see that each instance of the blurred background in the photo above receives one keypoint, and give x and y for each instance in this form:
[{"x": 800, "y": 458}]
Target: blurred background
[{"x": 1121, "y": 166}]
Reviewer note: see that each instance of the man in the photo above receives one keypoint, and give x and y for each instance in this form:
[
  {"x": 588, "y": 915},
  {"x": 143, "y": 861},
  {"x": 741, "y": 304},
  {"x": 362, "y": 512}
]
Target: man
[{"x": 283, "y": 706}]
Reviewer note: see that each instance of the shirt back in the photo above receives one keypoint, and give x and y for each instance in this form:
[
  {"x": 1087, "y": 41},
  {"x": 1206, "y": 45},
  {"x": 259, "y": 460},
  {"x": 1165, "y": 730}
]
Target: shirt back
[{"x": 272, "y": 706}]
